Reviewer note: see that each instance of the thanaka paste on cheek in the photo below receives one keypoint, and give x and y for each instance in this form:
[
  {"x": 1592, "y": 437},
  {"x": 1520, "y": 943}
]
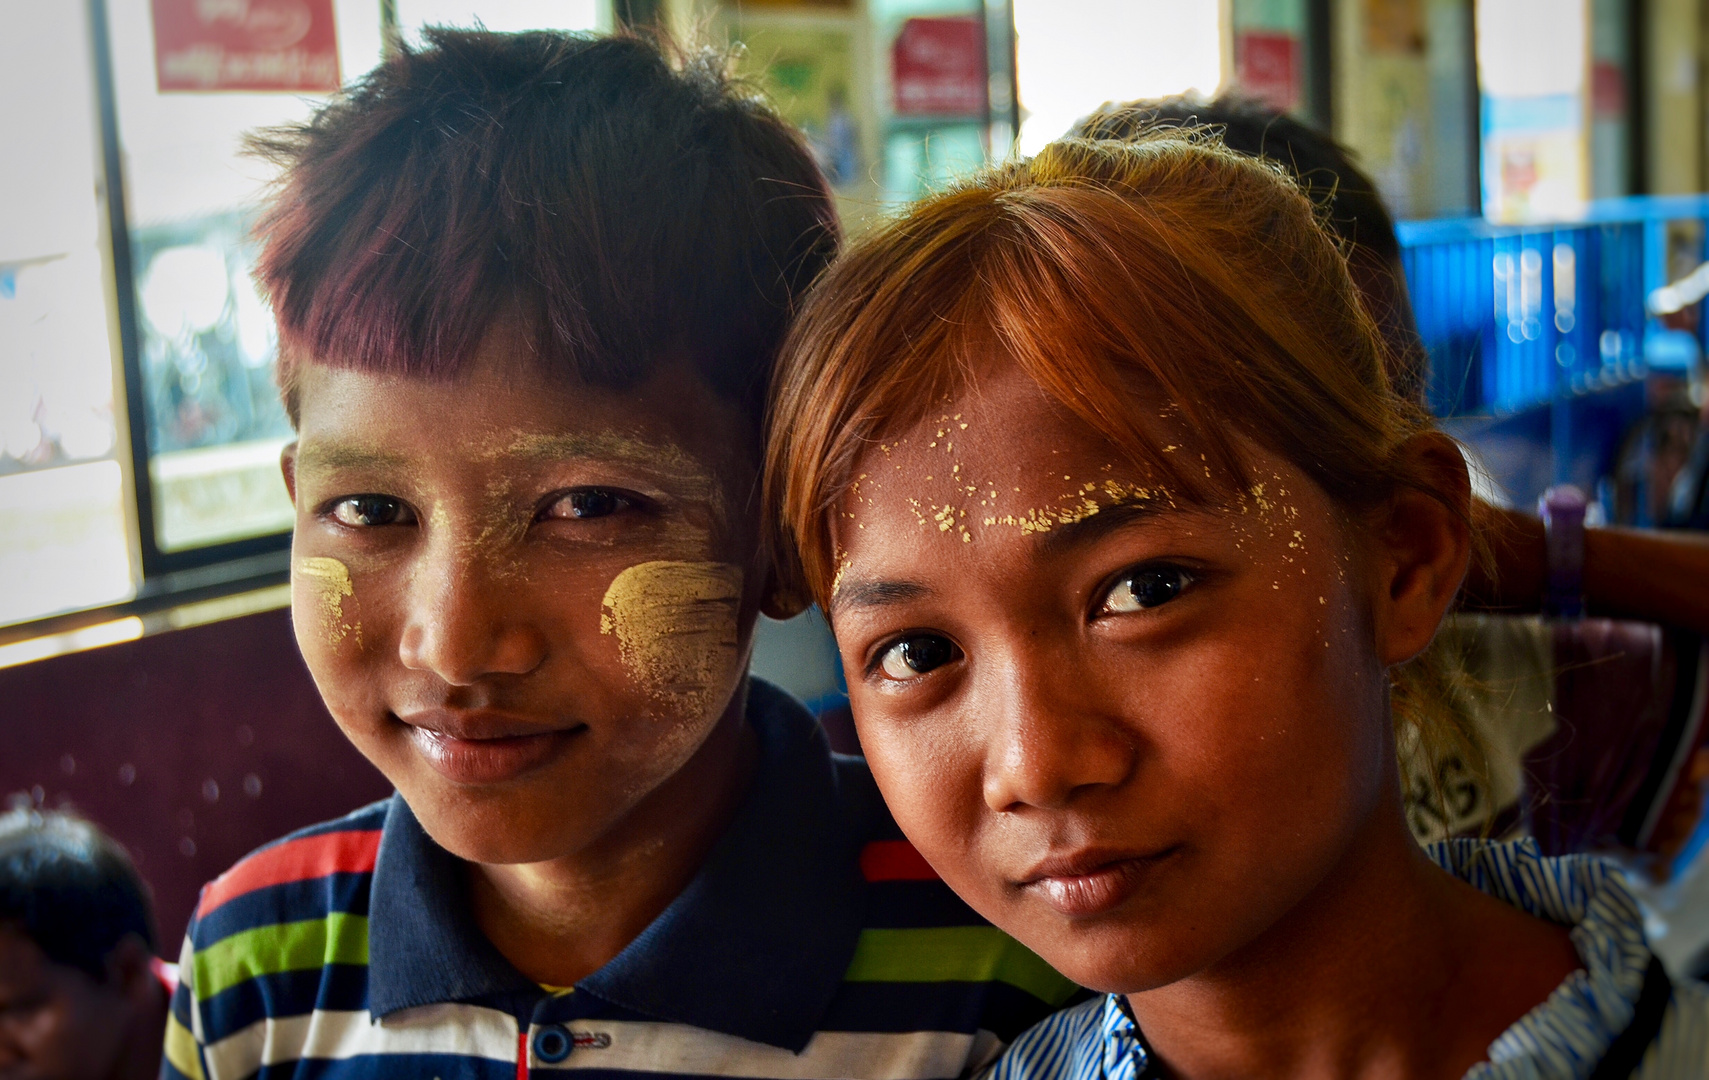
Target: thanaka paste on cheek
[
  {"x": 330, "y": 581},
  {"x": 675, "y": 624}
]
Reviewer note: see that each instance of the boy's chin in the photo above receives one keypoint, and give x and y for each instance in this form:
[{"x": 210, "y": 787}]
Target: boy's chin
[{"x": 500, "y": 830}]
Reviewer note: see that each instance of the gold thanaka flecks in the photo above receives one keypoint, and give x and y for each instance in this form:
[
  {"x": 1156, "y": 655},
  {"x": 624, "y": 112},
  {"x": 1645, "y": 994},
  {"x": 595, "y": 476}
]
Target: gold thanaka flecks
[
  {"x": 842, "y": 568},
  {"x": 1077, "y": 506}
]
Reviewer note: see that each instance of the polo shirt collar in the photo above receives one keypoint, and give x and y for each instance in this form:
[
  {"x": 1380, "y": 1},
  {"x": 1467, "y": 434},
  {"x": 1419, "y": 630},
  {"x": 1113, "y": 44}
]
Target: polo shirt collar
[
  {"x": 423, "y": 947},
  {"x": 755, "y": 946}
]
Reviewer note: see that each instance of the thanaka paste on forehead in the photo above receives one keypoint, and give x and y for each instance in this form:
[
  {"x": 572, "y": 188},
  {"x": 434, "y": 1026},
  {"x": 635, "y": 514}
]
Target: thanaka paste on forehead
[{"x": 664, "y": 459}]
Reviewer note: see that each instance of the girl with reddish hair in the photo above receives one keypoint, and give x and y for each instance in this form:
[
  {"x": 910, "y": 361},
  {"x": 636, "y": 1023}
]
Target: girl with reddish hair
[{"x": 1127, "y": 542}]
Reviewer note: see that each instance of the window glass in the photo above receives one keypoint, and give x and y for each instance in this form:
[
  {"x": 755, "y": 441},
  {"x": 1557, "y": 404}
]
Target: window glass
[
  {"x": 505, "y": 15},
  {"x": 64, "y": 536},
  {"x": 190, "y": 80},
  {"x": 1072, "y": 57}
]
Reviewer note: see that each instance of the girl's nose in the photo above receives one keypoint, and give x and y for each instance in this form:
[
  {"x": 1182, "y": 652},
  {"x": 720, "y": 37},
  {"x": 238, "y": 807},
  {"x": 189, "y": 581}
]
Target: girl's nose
[{"x": 1049, "y": 744}]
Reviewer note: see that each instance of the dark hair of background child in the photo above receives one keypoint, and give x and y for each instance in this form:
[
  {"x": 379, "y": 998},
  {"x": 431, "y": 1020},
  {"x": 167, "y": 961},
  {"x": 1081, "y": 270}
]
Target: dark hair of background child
[
  {"x": 1323, "y": 167},
  {"x": 1346, "y": 197},
  {"x": 70, "y": 888},
  {"x": 627, "y": 202}
]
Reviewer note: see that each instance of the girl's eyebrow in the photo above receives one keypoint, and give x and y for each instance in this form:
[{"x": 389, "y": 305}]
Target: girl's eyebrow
[
  {"x": 1106, "y": 520},
  {"x": 870, "y": 594}
]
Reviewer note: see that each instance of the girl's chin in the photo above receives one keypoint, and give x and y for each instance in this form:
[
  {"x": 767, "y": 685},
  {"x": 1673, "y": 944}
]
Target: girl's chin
[{"x": 1130, "y": 962}]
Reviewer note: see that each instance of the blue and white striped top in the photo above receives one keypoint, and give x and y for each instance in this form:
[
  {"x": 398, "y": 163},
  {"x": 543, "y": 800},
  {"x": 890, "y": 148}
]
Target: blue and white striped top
[{"x": 1564, "y": 1038}]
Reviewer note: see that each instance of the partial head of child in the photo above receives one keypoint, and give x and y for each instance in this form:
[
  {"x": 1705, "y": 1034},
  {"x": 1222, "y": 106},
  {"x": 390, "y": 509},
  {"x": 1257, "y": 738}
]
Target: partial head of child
[
  {"x": 1122, "y": 529},
  {"x": 529, "y": 288},
  {"x": 79, "y": 995}
]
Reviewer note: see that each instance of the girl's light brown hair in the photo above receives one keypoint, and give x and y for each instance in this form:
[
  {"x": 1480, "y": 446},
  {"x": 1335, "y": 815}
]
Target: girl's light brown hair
[{"x": 1117, "y": 275}]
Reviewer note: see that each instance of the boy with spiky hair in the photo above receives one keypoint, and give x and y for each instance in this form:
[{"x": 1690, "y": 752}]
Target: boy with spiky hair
[{"x": 529, "y": 290}]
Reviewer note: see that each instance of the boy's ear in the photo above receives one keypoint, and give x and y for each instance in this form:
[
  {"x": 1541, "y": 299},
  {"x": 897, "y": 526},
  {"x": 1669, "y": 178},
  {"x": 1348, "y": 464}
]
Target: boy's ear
[
  {"x": 130, "y": 971},
  {"x": 288, "y": 466},
  {"x": 786, "y": 592},
  {"x": 1423, "y": 547},
  {"x": 785, "y": 597}
]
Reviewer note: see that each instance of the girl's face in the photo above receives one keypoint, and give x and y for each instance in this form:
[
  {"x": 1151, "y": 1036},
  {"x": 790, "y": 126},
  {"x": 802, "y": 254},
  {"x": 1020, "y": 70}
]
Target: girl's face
[{"x": 1132, "y": 732}]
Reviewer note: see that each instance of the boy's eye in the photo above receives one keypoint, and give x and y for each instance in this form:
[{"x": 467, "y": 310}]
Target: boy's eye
[
  {"x": 1147, "y": 587},
  {"x": 367, "y": 511},
  {"x": 589, "y": 503},
  {"x": 916, "y": 655}
]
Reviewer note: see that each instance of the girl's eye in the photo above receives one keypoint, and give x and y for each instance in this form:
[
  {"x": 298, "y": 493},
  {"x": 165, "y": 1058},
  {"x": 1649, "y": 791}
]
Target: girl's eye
[
  {"x": 368, "y": 511},
  {"x": 1147, "y": 587},
  {"x": 590, "y": 503},
  {"x": 916, "y": 655}
]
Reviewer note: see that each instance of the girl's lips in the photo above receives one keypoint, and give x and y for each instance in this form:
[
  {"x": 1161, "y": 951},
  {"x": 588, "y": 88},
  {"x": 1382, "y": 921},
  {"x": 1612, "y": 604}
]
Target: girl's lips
[
  {"x": 1087, "y": 886},
  {"x": 488, "y": 760}
]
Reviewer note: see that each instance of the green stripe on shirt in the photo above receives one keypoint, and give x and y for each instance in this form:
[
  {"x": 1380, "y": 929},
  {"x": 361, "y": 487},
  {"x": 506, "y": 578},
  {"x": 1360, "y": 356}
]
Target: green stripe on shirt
[
  {"x": 955, "y": 954},
  {"x": 339, "y": 938}
]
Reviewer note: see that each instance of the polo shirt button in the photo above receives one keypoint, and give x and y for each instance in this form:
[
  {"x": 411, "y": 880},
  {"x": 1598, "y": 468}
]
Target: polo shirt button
[{"x": 552, "y": 1044}]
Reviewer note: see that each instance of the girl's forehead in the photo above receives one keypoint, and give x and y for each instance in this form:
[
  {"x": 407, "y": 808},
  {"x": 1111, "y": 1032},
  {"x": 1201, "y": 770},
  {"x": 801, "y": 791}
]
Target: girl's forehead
[
  {"x": 1002, "y": 427},
  {"x": 1002, "y": 460}
]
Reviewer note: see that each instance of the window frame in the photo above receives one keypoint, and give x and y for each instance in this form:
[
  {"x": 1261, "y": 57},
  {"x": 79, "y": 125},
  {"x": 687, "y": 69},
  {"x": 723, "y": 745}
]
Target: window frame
[{"x": 250, "y": 557}]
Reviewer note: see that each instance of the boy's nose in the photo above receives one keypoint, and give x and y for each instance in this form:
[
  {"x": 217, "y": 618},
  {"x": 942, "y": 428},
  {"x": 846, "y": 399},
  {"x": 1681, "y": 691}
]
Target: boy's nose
[
  {"x": 1046, "y": 747},
  {"x": 461, "y": 626}
]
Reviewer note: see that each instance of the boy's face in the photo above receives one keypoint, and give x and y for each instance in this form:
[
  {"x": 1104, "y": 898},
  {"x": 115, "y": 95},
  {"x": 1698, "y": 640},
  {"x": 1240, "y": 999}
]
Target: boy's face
[
  {"x": 56, "y": 1023},
  {"x": 528, "y": 603},
  {"x": 1134, "y": 734}
]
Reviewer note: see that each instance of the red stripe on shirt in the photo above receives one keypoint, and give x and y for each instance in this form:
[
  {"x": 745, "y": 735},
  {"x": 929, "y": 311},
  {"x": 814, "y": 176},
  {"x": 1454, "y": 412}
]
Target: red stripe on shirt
[
  {"x": 311, "y": 857},
  {"x": 894, "y": 860}
]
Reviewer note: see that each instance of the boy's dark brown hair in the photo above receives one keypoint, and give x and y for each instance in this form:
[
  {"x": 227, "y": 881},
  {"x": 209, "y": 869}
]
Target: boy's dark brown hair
[{"x": 628, "y": 204}]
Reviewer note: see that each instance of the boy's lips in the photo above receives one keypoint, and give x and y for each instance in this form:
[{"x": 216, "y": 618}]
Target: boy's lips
[
  {"x": 482, "y": 746},
  {"x": 1093, "y": 881}
]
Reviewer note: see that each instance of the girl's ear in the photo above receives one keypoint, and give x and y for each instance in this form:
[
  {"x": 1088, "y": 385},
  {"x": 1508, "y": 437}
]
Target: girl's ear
[{"x": 1423, "y": 546}]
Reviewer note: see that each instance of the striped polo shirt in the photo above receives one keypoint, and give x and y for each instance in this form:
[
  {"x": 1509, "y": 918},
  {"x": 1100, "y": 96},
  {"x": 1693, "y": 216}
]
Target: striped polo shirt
[{"x": 813, "y": 944}]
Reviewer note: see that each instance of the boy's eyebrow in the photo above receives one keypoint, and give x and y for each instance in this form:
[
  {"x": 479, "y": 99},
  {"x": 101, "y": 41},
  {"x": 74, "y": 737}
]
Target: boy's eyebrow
[
  {"x": 557, "y": 446},
  {"x": 870, "y": 594},
  {"x": 664, "y": 459},
  {"x": 345, "y": 456}
]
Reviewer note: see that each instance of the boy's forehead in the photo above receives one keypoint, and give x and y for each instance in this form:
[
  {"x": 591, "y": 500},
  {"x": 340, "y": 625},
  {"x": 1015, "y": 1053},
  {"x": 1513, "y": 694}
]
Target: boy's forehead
[{"x": 509, "y": 415}]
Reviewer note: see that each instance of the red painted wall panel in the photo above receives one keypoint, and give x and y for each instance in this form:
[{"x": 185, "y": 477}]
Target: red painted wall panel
[{"x": 192, "y": 747}]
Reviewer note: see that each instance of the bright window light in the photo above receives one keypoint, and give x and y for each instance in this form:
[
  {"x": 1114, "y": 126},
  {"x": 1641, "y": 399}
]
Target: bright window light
[
  {"x": 505, "y": 15},
  {"x": 1073, "y": 55}
]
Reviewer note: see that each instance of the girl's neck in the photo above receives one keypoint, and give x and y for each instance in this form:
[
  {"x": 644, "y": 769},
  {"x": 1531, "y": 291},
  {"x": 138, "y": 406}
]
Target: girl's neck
[{"x": 1391, "y": 968}]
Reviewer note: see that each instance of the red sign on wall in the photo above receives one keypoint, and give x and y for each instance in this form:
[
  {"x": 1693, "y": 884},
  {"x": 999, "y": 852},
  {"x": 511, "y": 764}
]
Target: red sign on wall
[
  {"x": 938, "y": 68},
  {"x": 245, "y": 45},
  {"x": 1267, "y": 67}
]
